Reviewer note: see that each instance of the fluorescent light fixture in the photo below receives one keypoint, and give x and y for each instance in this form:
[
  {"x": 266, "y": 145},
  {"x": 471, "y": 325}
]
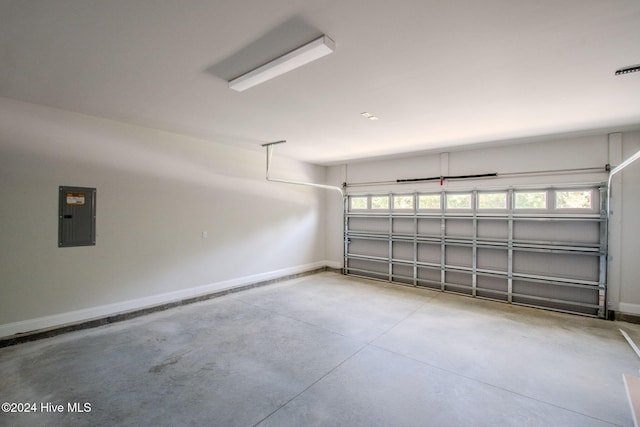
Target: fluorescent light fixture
[{"x": 296, "y": 58}]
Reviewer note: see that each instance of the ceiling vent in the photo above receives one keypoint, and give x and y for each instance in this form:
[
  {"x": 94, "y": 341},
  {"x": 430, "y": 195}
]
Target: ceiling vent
[{"x": 627, "y": 70}]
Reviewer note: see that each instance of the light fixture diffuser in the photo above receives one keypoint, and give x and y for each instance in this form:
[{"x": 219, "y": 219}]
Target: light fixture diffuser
[{"x": 296, "y": 58}]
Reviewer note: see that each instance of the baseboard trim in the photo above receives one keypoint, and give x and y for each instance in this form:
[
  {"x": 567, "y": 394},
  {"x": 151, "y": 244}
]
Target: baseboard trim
[
  {"x": 626, "y": 313},
  {"x": 49, "y": 326},
  {"x": 627, "y": 308}
]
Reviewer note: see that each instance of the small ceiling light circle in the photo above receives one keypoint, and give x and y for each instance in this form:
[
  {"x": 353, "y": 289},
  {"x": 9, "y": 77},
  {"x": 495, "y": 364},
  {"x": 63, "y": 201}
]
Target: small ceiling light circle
[{"x": 368, "y": 116}]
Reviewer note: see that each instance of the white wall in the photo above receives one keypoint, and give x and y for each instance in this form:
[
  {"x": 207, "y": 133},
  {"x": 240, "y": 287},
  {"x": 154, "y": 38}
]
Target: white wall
[
  {"x": 550, "y": 154},
  {"x": 156, "y": 193},
  {"x": 629, "y": 220}
]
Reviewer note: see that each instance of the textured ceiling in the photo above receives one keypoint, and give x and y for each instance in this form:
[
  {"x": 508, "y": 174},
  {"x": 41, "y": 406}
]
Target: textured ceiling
[{"x": 438, "y": 74}]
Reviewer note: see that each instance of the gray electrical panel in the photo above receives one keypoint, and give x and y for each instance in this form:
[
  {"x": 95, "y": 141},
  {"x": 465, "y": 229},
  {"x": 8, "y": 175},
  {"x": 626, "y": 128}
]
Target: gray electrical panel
[{"x": 77, "y": 216}]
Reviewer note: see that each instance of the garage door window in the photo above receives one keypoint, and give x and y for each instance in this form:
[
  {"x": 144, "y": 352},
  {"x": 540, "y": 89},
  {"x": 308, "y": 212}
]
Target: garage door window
[
  {"x": 358, "y": 202},
  {"x": 459, "y": 201},
  {"x": 492, "y": 201},
  {"x": 574, "y": 199},
  {"x": 403, "y": 202},
  {"x": 380, "y": 202},
  {"x": 531, "y": 200},
  {"x": 429, "y": 201}
]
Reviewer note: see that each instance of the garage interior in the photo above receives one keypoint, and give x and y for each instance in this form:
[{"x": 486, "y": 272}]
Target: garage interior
[{"x": 449, "y": 235}]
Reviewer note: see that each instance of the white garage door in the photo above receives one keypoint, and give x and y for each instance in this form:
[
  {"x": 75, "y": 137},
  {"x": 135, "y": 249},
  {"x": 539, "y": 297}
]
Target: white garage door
[{"x": 542, "y": 247}]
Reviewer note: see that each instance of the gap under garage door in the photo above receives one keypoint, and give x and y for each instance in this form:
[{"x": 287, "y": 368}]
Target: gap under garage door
[{"x": 541, "y": 247}]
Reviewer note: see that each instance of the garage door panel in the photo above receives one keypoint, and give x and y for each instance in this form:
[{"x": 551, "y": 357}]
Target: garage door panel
[
  {"x": 555, "y": 291},
  {"x": 579, "y": 267},
  {"x": 403, "y": 225},
  {"x": 493, "y": 229},
  {"x": 492, "y": 287},
  {"x": 429, "y": 252},
  {"x": 459, "y": 256},
  {"x": 362, "y": 267},
  {"x": 429, "y": 226},
  {"x": 429, "y": 278},
  {"x": 403, "y": 250},
  {"x": 459, "y": 228},
  {"x": 458, "y": 278},
  {"x": 368, "y": 247},
  {"x": 556, "y": 306},
  {"x": 557, "y": 231},
  {"x": 493, "y": 259},
  {"x": 402, "y": 273},
  {"x": 558, "y": 297},
  {"x": 376, "y": 225}
]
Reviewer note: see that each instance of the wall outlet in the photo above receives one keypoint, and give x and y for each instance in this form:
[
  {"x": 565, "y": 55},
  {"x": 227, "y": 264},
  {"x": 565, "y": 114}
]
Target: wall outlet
[{"x": 205, "y": 234}]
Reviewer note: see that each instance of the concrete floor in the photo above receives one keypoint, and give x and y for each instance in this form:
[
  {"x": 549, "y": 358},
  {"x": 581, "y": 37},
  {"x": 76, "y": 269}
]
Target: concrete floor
[{"x": 330, "y": 350}]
